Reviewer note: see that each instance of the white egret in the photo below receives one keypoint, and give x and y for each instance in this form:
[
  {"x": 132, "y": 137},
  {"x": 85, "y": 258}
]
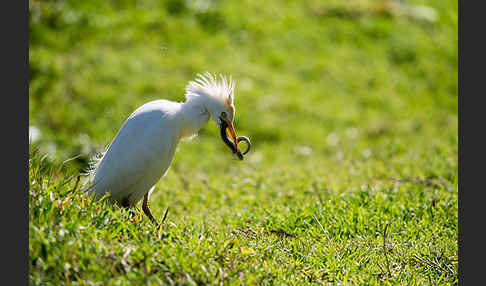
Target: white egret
[{"x": 143, "y": 149}]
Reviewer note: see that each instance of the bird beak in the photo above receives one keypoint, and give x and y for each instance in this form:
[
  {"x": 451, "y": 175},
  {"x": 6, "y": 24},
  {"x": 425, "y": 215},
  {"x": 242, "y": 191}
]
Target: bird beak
[{"x": 226, "y": 124}]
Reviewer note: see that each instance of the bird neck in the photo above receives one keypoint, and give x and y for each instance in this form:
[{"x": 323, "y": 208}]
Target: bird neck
[{"x": 194, "y": 115}]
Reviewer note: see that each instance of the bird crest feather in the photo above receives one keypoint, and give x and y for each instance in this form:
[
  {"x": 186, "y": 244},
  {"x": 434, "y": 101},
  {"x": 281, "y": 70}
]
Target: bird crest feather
[{"x": 216, "y": 86}]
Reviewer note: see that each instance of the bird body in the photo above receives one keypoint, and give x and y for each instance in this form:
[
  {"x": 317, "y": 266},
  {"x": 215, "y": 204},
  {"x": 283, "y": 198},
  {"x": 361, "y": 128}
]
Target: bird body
[{"x": 142, "y": 151}]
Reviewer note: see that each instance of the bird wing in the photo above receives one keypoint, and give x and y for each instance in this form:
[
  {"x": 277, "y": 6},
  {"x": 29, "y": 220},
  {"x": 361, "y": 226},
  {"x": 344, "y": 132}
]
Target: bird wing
[{"x": 139, "y": 155}]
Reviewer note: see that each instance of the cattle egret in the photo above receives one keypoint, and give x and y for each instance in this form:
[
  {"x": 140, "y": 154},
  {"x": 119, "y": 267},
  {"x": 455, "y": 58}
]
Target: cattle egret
[{"x": 143, "y": 149}]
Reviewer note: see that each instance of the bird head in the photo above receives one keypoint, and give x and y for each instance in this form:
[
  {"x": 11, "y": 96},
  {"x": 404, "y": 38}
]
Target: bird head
[
  {"x": 218, "y": 94},
  {"x": 222, "y": 111}
]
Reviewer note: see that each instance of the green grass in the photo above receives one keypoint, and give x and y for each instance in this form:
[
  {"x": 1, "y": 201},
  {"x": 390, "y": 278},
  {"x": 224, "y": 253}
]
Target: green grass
[{"x": 351, "y": 109}]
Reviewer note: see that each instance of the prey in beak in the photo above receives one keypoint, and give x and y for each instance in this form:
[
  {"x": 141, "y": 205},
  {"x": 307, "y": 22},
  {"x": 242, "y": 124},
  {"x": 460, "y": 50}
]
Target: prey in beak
[{"x": 233, "y": 145}]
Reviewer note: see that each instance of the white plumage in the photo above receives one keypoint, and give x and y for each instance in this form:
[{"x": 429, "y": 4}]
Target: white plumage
[{"x": 143, "y": 149}]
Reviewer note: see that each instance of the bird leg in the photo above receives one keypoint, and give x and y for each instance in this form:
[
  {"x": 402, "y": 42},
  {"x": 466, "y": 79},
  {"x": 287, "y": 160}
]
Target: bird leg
[{"x": 146, "y": 209}]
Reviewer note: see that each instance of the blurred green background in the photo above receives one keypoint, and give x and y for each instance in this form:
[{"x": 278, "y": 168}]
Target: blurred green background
[{"x": 313, "y": 77}]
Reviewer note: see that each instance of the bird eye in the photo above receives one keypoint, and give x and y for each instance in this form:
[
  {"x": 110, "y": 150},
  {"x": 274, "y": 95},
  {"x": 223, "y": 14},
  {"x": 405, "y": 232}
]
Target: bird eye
[{"x": 223, "y": 114}]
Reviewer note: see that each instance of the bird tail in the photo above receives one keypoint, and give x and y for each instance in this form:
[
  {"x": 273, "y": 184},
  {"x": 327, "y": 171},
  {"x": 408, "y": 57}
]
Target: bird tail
[{"x": 93, "y": 166}]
